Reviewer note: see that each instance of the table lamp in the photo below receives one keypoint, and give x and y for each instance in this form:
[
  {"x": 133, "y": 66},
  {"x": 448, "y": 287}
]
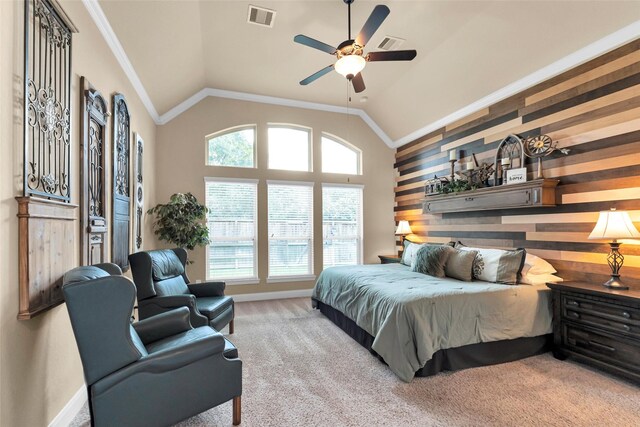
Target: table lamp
[
  {"x": 402, "y": 230},
  {"x": 614, "y": 225}
]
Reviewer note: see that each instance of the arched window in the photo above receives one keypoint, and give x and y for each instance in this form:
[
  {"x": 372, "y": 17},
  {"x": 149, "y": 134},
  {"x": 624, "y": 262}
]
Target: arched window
[
  {"x": 289, "y": 147},
  {"x": 339, "y": 156},
  {"x": 235, "y": 147}
]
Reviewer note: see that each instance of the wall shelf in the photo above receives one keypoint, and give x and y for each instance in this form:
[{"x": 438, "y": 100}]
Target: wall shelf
[{"x": 536, "y": 193}]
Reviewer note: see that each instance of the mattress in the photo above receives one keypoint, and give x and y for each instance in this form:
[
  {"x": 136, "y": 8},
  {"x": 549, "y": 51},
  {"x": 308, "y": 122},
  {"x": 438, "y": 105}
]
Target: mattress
[{"x": 411, "y": 315}]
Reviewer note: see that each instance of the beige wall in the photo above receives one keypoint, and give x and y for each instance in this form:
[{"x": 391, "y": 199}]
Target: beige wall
[
  {"x": 181, "y": 156},
  {"x": 39, "y": 364}
]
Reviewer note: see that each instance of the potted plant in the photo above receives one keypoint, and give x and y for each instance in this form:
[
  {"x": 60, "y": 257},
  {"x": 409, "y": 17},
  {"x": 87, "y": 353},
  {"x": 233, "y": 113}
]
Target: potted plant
[{"x": 181, "y": 221}]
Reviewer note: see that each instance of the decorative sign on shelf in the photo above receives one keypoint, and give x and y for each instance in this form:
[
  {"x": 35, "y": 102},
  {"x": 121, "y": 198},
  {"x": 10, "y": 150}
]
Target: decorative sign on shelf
[{"x": 516, "y": 176}]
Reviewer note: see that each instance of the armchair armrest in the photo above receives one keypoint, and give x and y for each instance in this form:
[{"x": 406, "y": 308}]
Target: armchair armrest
[
  {"x": 163, "y": 325},
  {"x": 169, "y": 302},
  {"x": 207, "y": 289},
  {"x": 166, "y": 361}
]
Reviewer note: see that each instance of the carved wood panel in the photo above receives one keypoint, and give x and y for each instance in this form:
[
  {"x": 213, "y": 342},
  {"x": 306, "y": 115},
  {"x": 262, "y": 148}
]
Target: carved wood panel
[
  {"x": 138, "y": 196},
  {"x": 121, "y": 182},
  {"x": 93, "y": 223}
]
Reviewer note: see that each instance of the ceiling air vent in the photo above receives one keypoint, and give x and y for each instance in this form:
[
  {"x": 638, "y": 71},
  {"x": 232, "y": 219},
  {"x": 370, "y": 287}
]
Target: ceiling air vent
[
  {"x": 390, "y": 43},
  {"x": 261, "y": 16}
]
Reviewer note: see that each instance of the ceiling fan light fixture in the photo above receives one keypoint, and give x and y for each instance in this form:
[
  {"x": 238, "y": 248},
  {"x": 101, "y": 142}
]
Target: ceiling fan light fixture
[{"x": 350, "y": 65}]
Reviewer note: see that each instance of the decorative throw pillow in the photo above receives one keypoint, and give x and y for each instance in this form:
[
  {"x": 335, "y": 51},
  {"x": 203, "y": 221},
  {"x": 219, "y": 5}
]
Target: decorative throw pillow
[
  {"x": 496, "y": 265},
  {"x": 431, "y": 259},
  {"x": 460, "y": 265},
  {"x": 409, "y": 253}
]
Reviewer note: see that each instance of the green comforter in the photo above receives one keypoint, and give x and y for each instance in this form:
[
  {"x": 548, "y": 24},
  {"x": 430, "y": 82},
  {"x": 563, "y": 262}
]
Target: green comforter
[{"x": 412, "y": 315}]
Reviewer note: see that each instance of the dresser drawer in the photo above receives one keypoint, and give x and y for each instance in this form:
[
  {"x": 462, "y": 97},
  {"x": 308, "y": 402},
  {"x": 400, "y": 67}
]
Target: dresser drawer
[
  {"x": 622, "y": 353},
  {"x": 601, "y": 313}
]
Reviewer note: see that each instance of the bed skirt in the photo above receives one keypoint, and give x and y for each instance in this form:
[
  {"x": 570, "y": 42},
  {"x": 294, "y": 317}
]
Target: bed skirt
[{"x": 451, "y": 359}]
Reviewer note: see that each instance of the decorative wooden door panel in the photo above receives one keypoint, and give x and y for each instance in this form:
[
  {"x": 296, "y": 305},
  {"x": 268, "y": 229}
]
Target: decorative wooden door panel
[
  {"x": 93, "y": 223},
  {"x": 121, "y": 182}
]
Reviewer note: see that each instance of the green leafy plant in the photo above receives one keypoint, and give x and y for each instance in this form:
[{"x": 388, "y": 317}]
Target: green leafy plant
[
  {"x": 181, "y": 221},
  {"x": 457, "y": 186}
]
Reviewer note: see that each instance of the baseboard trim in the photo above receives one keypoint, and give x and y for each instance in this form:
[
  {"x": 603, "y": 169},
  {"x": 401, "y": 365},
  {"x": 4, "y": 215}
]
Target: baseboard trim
[
  {"x": 71, "y": 409},
  {"x": 263, "y": 296}
]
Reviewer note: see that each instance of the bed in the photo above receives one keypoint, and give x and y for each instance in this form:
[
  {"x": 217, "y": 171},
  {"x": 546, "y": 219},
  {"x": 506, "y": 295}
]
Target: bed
[{"x": 420, "y": 325}]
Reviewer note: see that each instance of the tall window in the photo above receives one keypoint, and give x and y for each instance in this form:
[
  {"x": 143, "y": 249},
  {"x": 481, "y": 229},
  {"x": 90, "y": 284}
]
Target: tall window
[
  {"x": 232, "y": 253},
  {"x": 341, "y": 225},
  {"x": 232, "y": 147},
  {"x": 290, "y": 220},
  {"x": 339, "y": 156},
  {"x": 289, "y": 147}
]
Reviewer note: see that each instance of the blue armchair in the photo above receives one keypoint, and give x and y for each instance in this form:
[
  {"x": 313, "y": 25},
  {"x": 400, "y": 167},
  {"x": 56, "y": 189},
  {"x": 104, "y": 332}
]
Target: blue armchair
[
  {"x": 152, "y": 373},
  {"x": 162, "y": 284}
]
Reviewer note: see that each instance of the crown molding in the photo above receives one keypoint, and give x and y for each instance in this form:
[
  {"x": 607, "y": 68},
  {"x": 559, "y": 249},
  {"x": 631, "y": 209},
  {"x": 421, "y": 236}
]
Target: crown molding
[
  {"x": 101, "y": 21},
  {"x": 587, "y": 53},
  {"x": 272, "y": 100}
]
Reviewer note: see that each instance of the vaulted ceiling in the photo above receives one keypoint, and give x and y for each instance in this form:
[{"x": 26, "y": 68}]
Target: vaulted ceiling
[{"x": 466, "y": 50}]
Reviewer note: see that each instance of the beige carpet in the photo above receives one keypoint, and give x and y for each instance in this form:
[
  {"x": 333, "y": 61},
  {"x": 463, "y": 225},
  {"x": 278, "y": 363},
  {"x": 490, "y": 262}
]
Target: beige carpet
[{"x": 301, "y": 370}]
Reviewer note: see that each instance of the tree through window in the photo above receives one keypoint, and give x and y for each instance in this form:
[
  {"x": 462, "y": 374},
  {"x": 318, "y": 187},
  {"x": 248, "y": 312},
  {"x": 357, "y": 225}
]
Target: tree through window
[{"x": 232, "y": 147}]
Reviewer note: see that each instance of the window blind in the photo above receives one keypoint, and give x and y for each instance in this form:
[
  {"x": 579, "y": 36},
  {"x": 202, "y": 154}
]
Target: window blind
[
  {"x": 232, "y": 253},
  {"x": 290, "y": 221},
  {"x": 341, "y": 225}
]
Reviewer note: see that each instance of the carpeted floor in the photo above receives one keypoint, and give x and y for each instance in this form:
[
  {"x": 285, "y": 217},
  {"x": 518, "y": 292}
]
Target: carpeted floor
[{"x": 299, "y": 369}]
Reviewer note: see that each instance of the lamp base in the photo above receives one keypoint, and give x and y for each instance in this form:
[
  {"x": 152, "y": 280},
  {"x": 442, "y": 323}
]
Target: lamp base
[{"x": 615, "y": 283}]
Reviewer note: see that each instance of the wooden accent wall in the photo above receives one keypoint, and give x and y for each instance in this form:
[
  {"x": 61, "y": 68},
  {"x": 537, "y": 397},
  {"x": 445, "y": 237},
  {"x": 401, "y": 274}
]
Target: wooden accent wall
[{"x": 593, "y": 109}]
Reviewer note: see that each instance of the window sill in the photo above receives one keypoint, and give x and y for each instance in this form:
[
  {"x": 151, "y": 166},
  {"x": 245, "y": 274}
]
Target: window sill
[
  {"x": 299, "y": 278},
  {"x": 245, "y": 281}
]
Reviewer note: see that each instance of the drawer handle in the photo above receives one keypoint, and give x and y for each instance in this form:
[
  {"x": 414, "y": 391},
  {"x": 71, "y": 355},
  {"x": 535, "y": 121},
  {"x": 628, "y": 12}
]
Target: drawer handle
[
  {"x": 574, "y": 314},
  {"x": 626, "y": 315},
  {"x": 626, "y": 327},
  {"x": 468, "y": 199},
  {"x": 602, "y": 346},
  {"x": 573, "y": 303}
]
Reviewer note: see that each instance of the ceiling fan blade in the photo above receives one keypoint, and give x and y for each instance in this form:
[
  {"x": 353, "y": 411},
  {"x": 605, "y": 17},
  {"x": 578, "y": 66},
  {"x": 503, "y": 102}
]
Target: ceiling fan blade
[
  {"x": 392, "y": 55},
  {"x": 308, "y": 41},
  {"x": 358, "y": 83},
  {"x": 316, "y": 75},
  {"x": 380, "y": 12}
]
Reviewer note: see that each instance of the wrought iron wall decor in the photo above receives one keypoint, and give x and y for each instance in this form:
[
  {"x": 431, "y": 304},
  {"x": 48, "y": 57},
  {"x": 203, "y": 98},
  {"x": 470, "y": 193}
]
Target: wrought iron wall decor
[
  {"x": 138, "y": 196},
  {"x": 93, "y": 223},
  {"x": 537, "y": 147},
  {"x": 121, "y": 203},
  {"x": 47, "y": 96},
  {"x": 46, "y": 218}
]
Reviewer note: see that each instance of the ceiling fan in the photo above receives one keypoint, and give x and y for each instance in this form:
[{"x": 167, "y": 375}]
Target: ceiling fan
[{"x": 350, "y": 53}]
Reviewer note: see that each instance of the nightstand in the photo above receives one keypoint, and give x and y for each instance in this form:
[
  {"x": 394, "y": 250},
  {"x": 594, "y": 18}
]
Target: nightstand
[
  {"x": 597, "y": 326},
  {"x": 389, "y": 259}
]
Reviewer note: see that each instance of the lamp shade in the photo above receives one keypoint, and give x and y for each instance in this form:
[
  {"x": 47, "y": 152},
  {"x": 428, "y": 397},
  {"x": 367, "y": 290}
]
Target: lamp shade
[
  {"x": 614, "y": 224},
  {"x": 350, "y": 65},
  {"x": 403, "y": 228}
]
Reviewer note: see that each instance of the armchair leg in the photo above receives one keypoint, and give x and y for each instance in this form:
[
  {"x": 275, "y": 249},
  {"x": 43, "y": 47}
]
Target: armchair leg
[
  {"x": 236, "y": 410},
  {"x": 231, "y": 327}
]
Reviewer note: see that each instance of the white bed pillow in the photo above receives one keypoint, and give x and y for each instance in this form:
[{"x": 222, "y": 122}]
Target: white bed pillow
[
  {"x": 536, "y": 265},
  {"x": 410, "y": 251},
  {"x": 539, "y": 279},
  {"x": 496, "y": 265}
]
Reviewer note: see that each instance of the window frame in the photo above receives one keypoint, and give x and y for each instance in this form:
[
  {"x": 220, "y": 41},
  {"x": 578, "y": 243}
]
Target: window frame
[
  {"x": 293, "y": 277},
  {"x": 309, "y": 145},
  {"x": 255, "y": 279},
  {"x": 227, "y": 131},
  {"x": 346, "y": 144},
  {"x": 360, "y": 260}
]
